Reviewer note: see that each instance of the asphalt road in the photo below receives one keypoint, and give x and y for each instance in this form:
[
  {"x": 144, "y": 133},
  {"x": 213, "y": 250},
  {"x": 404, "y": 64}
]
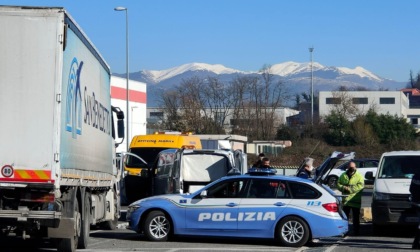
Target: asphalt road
[{"x": 122, "y": 240}]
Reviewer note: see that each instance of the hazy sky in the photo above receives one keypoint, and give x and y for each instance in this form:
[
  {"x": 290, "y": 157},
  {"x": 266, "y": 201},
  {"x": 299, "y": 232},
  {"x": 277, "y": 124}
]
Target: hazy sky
[{"x": 380, "y": 35}]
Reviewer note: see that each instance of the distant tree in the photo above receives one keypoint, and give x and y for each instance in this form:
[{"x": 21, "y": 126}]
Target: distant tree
[
  {"x": 414, "y": 82},
  {"x": 343, "y": 104},
  {"x": 392, "y": 130},
  {"x": 417, "y": 83},
  {"x": 285, "y": 132},
  {"x": 297, "y": 101},
  {"x": 370, "y": 130},
  {"x": 172, "y": 119},
  {"x": 339, "y": 131},
  {"x": 364, "y": 133},
  {"x": 356, "y": 88},
  {"x": 256, "y": 100},
  {"x": 306, "y": 97}
]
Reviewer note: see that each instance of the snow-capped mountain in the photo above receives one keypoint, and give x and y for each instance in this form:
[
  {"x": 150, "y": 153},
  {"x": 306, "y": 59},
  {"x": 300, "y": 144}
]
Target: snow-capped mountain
[
  {"x": 296, "y": 76},
  {"x": 158, "y": 76}
]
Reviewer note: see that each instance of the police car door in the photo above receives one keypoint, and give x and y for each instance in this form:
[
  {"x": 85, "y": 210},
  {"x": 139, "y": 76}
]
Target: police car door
[
  {"x": 217, "y": 212},
  {"x": 262, "y": 207}
]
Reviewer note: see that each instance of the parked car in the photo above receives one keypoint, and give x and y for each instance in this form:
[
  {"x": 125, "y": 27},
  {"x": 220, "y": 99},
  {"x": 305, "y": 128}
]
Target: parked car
[
  {"x": 363, "y": 165},
  {"x": 258, "y": 204}
]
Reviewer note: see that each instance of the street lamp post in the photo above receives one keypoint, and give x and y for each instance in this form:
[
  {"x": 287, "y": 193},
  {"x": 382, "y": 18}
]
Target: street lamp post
[
  {"x": 127, "y": 70},
  {"x": 132, "y": 119},
  {"x": 311, "y": 49}
]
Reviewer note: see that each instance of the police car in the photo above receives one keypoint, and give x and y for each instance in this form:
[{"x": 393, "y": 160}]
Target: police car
[{"x": 258, "y": 204}]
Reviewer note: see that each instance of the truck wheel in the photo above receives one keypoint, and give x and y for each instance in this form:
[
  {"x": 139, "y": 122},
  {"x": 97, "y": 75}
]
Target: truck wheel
[
  {"x": 85, "y": 225},
  {"x": 293, "y": 232},
  {"x": 157, "y": 226},
  {"x": 70, "y": 245},
  {"x": 110, "y": 225}
]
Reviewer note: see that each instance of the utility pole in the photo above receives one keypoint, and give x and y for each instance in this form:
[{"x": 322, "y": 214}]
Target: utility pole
[
  {"x": 128, "y": 76},
  {"x": 311, "y": 49}
]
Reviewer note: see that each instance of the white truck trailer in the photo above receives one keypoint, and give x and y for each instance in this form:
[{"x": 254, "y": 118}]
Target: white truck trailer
[{"x": 58, "y": 172}]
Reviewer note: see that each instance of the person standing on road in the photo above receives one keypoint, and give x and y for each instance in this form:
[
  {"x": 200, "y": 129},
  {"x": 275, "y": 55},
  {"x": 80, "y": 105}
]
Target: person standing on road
[
  {"x": 258, "y": 163},
  {"x": 351, "y": 184},
  {"x": 265, "y": 163},
  {"x": 415, "y": 200},
  {"x": 307, "y": 172}
]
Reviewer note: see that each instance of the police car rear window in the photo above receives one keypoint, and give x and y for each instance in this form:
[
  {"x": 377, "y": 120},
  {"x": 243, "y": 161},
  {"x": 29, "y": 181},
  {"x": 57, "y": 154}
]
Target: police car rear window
[
  {"x": 265, "y": 188},
  {"x": 302, "y": 191}
]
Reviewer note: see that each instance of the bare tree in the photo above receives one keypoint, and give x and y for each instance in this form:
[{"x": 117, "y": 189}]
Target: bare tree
[
  {"x": 346, "y": 105},
  {"x": 172, "y": 119},
  {"x": 269, "y": 94},
  {"x": 218, "y": 105},
  {"x": 242, "y": 117},
  {"x": 203, "y": 105},
  {"x": 343, "y": 105}
]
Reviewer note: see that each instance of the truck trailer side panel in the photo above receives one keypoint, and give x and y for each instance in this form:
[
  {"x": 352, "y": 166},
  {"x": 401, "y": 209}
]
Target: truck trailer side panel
[
  {"x": 29, "y": 81},
  {"x": 86, "y": 142}
]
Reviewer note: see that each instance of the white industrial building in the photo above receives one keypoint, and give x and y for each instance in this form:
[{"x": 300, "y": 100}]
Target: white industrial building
[
  {"x": 383, "y": 102},
  {"x": 136, "y": 106},
  {"x": 156, "y": 115}
]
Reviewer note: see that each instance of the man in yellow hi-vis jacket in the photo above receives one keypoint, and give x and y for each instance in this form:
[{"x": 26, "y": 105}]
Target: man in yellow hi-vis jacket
[{"x": 351, "y": 184}]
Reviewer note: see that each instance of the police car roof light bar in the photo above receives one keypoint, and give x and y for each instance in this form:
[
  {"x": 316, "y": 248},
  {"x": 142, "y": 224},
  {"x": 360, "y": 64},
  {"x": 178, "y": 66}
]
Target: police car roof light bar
[{"x": 262, "y": 171}]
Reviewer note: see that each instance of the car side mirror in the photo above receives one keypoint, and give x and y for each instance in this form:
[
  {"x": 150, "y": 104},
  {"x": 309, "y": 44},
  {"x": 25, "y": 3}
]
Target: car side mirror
[
  {"x": 203, "y": 194},
  {"x": 369, "y": 175}
]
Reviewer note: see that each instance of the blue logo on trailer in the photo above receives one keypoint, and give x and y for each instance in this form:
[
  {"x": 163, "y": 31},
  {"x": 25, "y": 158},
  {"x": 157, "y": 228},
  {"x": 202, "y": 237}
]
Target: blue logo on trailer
[{"x": 74, "y": 100}]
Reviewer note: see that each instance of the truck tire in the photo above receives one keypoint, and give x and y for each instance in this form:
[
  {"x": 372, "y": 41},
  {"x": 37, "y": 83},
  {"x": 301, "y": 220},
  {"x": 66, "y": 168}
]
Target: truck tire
[
  {"x": 70, "y": 245},
  {"x": 85, "y": 225},
  {"x": 157, "y": 226},
  {"x": 110, "y": 225}
]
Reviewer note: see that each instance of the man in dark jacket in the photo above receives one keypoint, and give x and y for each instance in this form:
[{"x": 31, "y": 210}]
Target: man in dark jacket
[
  {"x": 307, "y": 172},
  {"x": 258, "y": 163},
  {"x": 415, "y": 199}
]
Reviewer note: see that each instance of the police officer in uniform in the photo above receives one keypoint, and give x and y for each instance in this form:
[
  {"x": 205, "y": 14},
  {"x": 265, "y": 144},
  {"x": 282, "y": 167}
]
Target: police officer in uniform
[{"x": 415, "y": 200}]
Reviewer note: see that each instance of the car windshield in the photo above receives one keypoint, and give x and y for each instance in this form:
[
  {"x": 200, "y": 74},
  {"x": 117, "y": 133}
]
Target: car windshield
[
  {"x": 399, "y": 166},
  {"x": 148, "y": 154}
]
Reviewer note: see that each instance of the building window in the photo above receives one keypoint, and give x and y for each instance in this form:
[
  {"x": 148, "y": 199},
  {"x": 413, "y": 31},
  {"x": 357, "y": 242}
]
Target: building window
[
  {"x": 360, "y": 100},
  {"x": 156, "y": 114},
  {"x": 333, "y": 100},
  {"x": 386, "y": 100},
  {"x": 414, "y": 121}
]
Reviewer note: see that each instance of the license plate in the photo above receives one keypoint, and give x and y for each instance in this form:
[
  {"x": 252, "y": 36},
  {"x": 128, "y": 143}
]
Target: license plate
[{"x": 412, "y": 219}]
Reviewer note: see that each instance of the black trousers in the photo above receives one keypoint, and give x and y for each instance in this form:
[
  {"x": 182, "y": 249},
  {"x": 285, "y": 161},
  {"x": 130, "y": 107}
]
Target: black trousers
[
  {"x": 355, "y": 212},
  {"x": 416, "y": 242}
]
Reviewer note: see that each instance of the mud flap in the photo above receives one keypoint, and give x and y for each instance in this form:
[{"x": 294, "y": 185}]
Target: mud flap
[
  {"x": 67, "y": 226},
  {"x": 64, "y": 230}
]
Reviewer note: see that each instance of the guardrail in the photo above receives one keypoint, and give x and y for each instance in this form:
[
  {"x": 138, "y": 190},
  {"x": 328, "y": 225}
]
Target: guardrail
[{"x": 286, "y": 170}]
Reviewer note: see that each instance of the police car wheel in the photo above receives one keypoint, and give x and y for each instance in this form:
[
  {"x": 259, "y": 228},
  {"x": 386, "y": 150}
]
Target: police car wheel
[
  {"x": 157, "y": 226},
  {"x": 293, "y": 232}
]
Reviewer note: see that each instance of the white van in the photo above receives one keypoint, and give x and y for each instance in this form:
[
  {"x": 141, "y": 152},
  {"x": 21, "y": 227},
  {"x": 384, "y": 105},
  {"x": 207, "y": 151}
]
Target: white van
[
  {"x": 390, "y": 198},
  {"x": 187, "y": 170}
]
